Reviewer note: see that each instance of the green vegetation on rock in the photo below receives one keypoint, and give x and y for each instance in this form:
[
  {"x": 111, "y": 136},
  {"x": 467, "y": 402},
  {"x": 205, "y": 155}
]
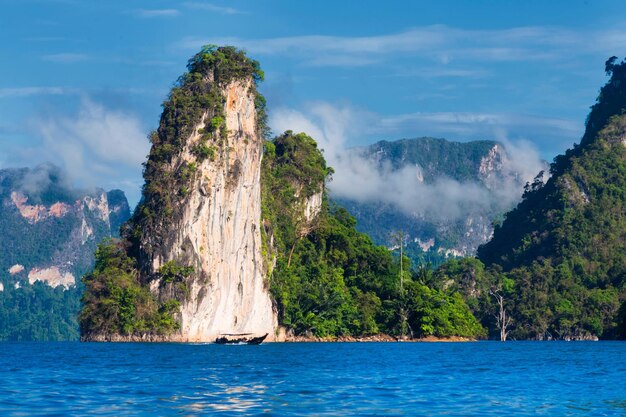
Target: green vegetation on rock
[
  {"x": 116, "y": 302},
  {"x": 558, "y": 257},
  {"x": 325, "y": 277},
  {"x": 331, "y": 280}
]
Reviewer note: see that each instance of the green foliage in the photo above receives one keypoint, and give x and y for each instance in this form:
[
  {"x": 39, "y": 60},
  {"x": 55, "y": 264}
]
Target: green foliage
[
  {"x": 559, "y": 255},
  {"x": 299, "y": 161},
  {"x": 226, "y": 63},
  {"x": 115, "y": 302},
  {"x": 38, "y": 312},
  {"x": 329, "y": 279},
  {"x": 437, "y": 313},
  {"x": 203, "y": 152},
  {"x": 216, "y": 122},
  {"x": 172, "y": 271}
]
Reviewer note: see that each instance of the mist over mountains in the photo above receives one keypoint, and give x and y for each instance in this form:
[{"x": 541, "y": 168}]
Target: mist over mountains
[
  {"x": 50, "y": 228},
  {"x": 444, "y": 195}
]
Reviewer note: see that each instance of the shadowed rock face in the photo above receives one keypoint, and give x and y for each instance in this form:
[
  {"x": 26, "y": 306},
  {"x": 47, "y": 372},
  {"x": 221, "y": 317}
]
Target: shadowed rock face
[{"x": 216, "y": 230}]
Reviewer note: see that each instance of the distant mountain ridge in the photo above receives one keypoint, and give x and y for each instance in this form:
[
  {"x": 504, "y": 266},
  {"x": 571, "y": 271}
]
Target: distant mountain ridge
[
  {"x": 49, "y": 231},
  {"x": 435, "y": 162}
]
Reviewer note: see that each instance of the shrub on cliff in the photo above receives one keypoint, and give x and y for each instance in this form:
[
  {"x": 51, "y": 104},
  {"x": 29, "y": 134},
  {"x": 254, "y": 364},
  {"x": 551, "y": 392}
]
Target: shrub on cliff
[{"x": 115, "y": 302}]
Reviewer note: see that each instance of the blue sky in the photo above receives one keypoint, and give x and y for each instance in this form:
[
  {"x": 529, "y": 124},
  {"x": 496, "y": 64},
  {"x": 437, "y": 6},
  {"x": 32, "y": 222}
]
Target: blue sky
[{"x": 81, "y": 82}]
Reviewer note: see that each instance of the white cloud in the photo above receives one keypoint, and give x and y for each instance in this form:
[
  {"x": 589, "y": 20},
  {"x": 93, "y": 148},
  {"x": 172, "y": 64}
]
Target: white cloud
[
  {"x": 362, "y": 178},
  {"x": 150, "y": 13},
  {"x": 211, "y": 7},
  {"x": 97, "y": 146},
  {"x": 67, "y": 57},
  {"x": 437, "y": 43}
]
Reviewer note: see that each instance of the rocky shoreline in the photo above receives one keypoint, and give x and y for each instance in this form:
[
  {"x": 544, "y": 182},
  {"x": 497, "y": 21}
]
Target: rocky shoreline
[
  {"x": 373, "y": 338},
  {"x": 377, "y": 338}
]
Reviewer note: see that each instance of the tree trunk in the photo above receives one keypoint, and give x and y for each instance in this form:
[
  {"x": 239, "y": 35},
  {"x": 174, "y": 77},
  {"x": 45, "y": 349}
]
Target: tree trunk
[{"x": 293, "y": 248}]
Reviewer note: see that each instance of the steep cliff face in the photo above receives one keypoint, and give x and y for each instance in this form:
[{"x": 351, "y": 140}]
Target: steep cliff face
[
  {"x": 195, "y": 237},
  {"x": 216, "y": 230}
]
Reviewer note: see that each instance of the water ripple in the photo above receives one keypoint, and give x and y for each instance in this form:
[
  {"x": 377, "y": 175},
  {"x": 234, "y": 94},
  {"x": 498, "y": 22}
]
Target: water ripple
[{"x": 364, "y": 379}]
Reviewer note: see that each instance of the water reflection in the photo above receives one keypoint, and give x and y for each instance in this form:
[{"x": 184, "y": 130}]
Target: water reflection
[
  {"x": 326, "y": 379},
  {"x": 226, "y": 398}
]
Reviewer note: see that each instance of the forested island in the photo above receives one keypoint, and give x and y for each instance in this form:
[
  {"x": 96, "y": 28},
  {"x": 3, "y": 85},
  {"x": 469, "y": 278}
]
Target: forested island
[
  {"x": 553, "y": 270},
  {"x": 324, "y": 278}
]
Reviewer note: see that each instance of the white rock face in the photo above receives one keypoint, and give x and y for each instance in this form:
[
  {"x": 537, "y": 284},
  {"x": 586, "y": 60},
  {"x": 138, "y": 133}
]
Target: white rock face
[
  {"x": 313, "y": 206},
  {"x": 99, "y": 205},
  {"x": 218, "y": 232},
  {"x": 16, "y": 269},
  {"x": 426, "y": 244},
  {"x": 52, "y": 276},
  {"x": 491, "y": 165}
]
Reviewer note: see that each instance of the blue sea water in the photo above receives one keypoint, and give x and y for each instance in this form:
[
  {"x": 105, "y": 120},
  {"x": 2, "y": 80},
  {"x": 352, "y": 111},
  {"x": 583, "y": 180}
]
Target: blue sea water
[{"x": 321, "y": 379}]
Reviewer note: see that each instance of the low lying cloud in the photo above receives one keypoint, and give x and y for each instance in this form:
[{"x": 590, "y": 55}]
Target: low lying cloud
[
  {"x": 97, "y": 147},
  {"x": 41, "y": 178},
  {"x": 361, "y": 177}
]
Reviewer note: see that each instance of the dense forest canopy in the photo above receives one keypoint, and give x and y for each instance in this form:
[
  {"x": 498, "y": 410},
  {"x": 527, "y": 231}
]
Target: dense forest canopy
[
  {"x": 559, "y": 256},
  {"x": 331, "y": 280}
]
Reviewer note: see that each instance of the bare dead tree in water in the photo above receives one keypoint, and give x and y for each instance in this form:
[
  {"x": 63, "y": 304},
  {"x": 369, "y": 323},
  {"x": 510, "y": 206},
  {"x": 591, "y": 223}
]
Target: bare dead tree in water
[
  {"x": 503, "y": 321},
  {"x": 404, "y": 319}
]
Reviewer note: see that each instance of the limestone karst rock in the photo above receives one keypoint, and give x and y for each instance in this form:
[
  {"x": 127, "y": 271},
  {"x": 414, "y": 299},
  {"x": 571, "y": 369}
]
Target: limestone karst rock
[{"x": 195, "y": 236}]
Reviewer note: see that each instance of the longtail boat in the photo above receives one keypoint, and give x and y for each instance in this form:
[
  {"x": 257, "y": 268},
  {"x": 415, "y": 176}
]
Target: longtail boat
[{"x": 240, "y": 339}]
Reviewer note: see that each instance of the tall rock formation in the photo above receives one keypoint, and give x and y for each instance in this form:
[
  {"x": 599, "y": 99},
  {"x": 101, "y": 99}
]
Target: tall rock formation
[
  {"x": 215, "y": 229},
  {"x": 196, "y": 234}
]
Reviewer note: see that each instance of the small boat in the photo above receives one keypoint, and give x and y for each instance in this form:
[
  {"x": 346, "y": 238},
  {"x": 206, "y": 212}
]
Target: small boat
[{"x": 240, "y": 339}]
